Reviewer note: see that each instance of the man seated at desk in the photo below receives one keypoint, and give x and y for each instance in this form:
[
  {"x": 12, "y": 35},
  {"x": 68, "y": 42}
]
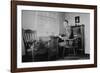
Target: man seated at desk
[{"x": 63, "y": 37}]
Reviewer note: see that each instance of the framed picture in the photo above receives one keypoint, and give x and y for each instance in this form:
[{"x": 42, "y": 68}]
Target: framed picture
[
  {"x": 44, "y": 36},
  {"x": 77, "y": 19}
]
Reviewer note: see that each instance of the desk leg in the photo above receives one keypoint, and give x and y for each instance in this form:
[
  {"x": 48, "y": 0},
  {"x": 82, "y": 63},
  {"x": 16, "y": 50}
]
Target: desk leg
[{"x": 63, "y": 52}]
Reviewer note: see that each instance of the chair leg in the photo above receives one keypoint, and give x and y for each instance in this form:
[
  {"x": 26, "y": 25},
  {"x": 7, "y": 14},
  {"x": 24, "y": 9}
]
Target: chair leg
[{"x": 74, "y": 51}]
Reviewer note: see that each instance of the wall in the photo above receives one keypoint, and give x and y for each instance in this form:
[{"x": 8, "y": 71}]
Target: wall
[
  {"x": 5, "y": 40},
  {"x": 41, "y": 21}
]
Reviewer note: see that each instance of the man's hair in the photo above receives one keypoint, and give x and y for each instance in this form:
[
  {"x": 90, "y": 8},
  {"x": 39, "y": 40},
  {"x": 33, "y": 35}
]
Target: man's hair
[{"x": 66, "y": 21}]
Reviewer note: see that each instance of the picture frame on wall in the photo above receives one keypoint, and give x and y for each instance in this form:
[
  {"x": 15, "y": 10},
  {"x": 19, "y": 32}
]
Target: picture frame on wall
[{"x": 44, "y": 36}]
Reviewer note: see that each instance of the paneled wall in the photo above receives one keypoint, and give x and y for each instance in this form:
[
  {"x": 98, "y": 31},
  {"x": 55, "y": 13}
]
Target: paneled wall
[{"x": 45, "y": 23}]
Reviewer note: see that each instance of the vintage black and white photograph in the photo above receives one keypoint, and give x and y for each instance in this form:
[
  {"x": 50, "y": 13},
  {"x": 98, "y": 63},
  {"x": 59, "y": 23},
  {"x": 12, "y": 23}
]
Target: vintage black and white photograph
[
  {"x": 52, "y": 36},
  {"x": 55, "y": 36}
]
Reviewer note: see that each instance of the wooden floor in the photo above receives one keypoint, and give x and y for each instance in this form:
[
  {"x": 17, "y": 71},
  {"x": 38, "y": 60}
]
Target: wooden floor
[{"x": 28, "y": 58}]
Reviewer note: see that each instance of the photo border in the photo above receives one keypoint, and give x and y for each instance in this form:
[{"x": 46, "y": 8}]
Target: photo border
[{"x": 46, "y": 4}]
